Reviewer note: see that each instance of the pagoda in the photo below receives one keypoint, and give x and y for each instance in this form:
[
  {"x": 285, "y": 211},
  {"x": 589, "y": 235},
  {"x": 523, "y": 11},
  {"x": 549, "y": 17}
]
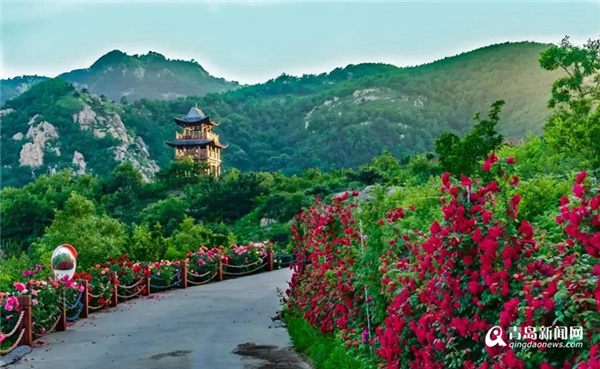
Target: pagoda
[{"x": 198, "y": 142}]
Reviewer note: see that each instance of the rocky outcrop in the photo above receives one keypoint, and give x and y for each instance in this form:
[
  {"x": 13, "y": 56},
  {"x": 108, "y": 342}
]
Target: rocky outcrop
[
  {"x": 79, "y": 163},
  {"x": 264, "y": 222},
  {"x": 32, "y": 153},
  {"x": 86, "y": 118},
  {"x": 129, "y": 149},
  {"x": 4, "y": 112}
]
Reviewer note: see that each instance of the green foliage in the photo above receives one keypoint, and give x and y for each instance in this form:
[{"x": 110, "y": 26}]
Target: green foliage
[
  {"x": 124, "y": 193},
  {"x": 96, "y": 237},
  {"x": 12, "y": 269},
  {"x": 541, "y": 195},
  {"x": 325, "y": 352},
  {"x": 537, "y": 157},
  {"x": 167, "y": 213},
  {"x": 462, "y": 156},
  {"x": 225, "y": 199},
  {"x": 575, "y": 124},
  {"x": 146, "y": 244},
  {"x": 191, "y": 236},
  {"x": 26, "y": 211}
]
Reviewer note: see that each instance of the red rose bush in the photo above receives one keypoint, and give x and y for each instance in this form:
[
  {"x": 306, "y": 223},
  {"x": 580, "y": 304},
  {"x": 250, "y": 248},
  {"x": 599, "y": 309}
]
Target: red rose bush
[{"x": 430, "y": 297}]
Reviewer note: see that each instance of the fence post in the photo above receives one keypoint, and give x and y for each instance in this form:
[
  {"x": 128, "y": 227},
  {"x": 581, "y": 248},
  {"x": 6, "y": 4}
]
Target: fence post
[
  {"x": 114, "y": 300},
  {"x": 62, "y": 320},
  {"x": 270, "y": 259},
  {"x": 25, "y": 304},
  {"x": 85, "y": 311},
  {"x": 220, "y": 271},
  {"x": 147, "y": 283},
  {"x": 183, "y": 266}
]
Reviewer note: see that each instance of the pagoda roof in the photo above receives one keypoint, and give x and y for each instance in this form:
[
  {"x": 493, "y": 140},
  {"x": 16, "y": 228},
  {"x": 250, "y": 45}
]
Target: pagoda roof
[
  {"x": 194, "y": 117},
  {"x": 177, "y": 143}
]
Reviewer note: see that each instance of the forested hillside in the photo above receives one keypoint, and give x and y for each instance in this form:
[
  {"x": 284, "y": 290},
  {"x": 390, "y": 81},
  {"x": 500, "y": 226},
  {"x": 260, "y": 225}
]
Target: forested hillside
[
  {"x": 345, "y": 118},
  {"x": 340, "y": 119},
  {"x": 52, "y": 127}
]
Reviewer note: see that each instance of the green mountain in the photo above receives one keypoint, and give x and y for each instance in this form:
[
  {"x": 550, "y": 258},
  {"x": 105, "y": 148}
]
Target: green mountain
[
  {"x": 346, "y": 117},
  {"x": 150, "y": 76},
  {"x": 117, "y": 75},
  {"x": 340, "y": 119},
  {"x": 13, "y": 87},
  {"x": 52, "y": 126}
]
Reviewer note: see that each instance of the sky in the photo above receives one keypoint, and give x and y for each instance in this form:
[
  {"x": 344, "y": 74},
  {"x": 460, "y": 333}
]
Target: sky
[{"x": 251, "y": 42}]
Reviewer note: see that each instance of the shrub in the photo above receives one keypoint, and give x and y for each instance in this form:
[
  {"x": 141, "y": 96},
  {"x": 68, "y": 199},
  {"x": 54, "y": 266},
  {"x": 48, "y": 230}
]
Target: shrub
[{"x": 433, "y": 294}]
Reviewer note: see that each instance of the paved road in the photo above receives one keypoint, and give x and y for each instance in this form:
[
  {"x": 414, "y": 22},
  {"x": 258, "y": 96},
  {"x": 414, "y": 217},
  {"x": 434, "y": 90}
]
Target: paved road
[{"x": 199, "y": 327}]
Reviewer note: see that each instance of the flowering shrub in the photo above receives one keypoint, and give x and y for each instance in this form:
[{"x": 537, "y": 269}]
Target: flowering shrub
[
  {"x": 47, "y": 293},
  {"x": 99, "y": 285},
  {"x": 164, "y": 273},
  {"x": 204, "y": 262},
  {"x": 244, "y": 255},
  {"x": 46, "y": 299},
  {"x": 324, "y": 294},
  {"x": 432, "y": 295}
]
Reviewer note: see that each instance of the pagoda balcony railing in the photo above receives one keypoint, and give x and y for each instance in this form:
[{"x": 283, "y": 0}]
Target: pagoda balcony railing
[
  {"x": 194, "y": 156},
  {"x": 196, "y": 136}
]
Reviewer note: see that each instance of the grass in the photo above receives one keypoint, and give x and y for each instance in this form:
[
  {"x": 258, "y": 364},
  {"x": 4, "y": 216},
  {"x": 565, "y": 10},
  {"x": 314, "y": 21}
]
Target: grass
[{"x": 325, "y": 352}]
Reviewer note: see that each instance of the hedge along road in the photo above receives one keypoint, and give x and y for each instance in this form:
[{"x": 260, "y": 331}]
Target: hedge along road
[{"x": 219, "y": 325}]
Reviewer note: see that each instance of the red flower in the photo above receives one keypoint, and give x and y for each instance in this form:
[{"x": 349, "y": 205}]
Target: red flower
[
  {"x": 580, "y": 177},
  {"x": 510, "y": 160},
  {"x": 465, "y": 181},
  {"x": 526, "y": 229},
  {"x": 578, "y": 191},
  {"x": 446, "y": 179}
]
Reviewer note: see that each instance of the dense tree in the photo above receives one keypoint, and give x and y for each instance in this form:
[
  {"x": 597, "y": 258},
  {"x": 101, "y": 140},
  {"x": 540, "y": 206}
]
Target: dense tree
[
  {"x": 124, "y": 193},
  {"x": 167, "y": 214},
  {"x": 96, "y": 237},
  {"x": 575, "y": 124},
  {"x": 462, "y": 156},
  {"x": 146, "y": 244}
]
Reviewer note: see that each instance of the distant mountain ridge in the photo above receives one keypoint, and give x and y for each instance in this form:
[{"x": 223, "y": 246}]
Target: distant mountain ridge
[
  {"x": 13, "y": 87},
  {"x": 117, "y": 75},
  {"x": 150, "y": 76}
]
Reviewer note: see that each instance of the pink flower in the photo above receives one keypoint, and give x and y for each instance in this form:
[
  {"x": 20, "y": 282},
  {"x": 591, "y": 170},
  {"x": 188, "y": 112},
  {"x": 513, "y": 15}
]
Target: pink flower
[
  {"x": 34, "y": 302},
  {"x": 19, "y": 286},
  {"x": 38, "y": 267},
  {"x": 11, "y": 303}
]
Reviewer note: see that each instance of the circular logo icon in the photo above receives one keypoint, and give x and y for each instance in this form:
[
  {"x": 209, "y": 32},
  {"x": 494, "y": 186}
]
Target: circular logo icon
[{"x": 494, "y": 337}]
